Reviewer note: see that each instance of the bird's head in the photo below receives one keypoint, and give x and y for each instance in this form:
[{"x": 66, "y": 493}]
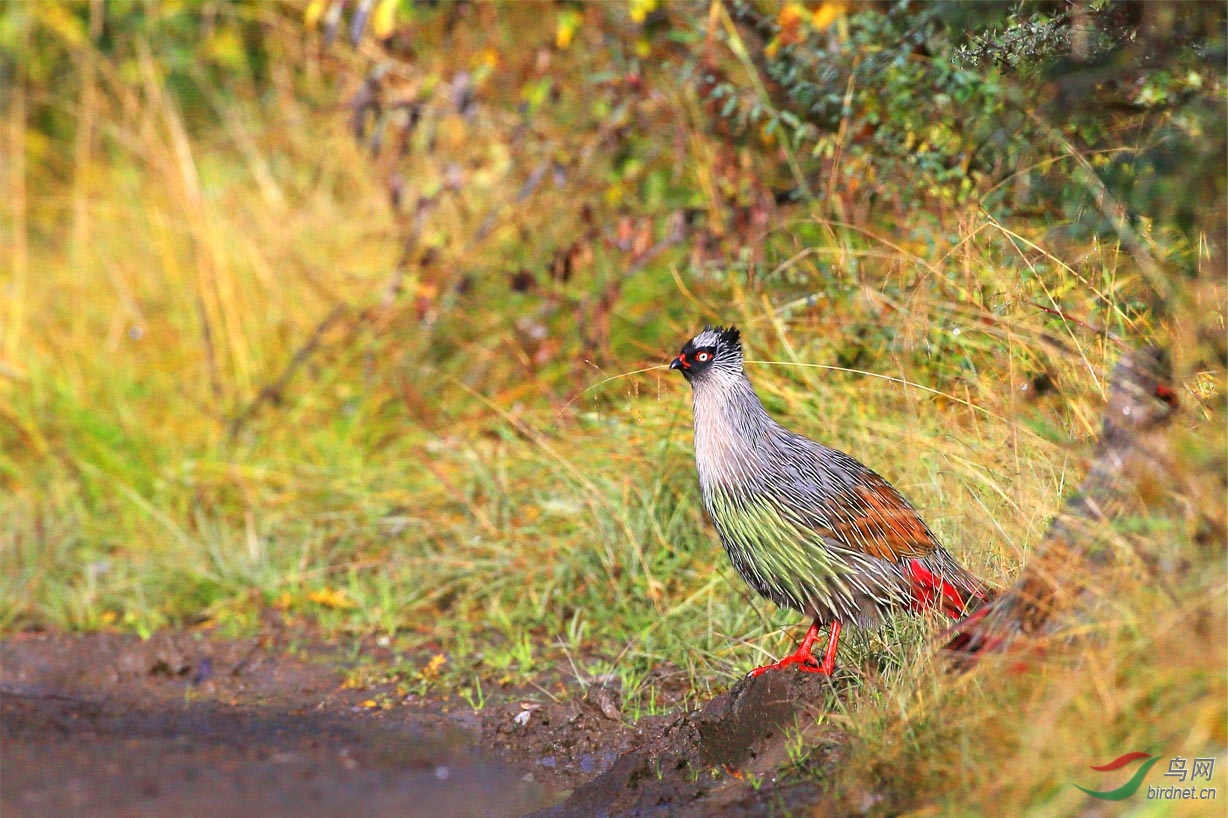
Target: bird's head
[
  {"x": 716, "y": 349},
  {"x": 1141, "y": 393}
]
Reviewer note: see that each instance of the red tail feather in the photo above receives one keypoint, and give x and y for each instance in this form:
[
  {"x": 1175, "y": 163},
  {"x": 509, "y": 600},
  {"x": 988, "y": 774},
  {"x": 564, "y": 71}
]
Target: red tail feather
[
  {"x": 970, "y": 638},
  {"x": 930, "y": 591}
]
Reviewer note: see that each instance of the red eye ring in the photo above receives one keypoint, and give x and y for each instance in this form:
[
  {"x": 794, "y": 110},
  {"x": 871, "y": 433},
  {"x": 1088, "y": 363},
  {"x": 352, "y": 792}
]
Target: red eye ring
[{"x": 703, "y": 357}]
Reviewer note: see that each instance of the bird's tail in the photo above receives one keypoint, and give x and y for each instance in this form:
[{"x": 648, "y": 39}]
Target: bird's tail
[
  {"x": 972, "y": 637},
  {"x": 1028, "y": 607},
  {"x": 954, "y": 592},
  {"x": 990, "y": 629}
]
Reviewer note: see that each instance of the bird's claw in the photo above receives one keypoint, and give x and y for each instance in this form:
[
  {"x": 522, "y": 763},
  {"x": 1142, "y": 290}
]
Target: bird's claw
[
  {"x": 813, "y": 665},
  {"x": 805, "y": 664}
]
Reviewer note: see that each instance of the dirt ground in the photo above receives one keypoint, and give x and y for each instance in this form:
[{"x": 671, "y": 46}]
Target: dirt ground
[{"x": 184, "y": 724}]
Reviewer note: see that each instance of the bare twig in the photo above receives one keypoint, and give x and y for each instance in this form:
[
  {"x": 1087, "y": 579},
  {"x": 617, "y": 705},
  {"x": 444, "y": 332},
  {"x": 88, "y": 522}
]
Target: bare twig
[{"x": 272, "y": 392}]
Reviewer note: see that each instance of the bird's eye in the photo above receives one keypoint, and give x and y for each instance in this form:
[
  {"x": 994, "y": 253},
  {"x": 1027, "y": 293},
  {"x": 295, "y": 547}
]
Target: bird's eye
[{"x": 703, "y": 357}]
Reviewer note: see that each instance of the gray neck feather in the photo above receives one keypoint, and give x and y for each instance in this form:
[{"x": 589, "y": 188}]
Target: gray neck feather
[{"x": 733, "y": 432}]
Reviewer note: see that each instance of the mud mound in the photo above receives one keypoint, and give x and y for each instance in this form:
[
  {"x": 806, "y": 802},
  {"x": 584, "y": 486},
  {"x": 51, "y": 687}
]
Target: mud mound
[{"x": 722, "y": 759}]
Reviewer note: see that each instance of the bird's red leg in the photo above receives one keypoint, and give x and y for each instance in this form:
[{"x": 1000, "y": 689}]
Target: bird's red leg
[
  {"x": 829, "y": 656},
  {"x": 804, "y": 659}
]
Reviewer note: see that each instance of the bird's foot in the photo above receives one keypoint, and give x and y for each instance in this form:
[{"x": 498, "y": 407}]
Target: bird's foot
[
  {"x": 806, "y": 663},
  {"x": 805, "y": 660},
  {"x": 815, "y": 666}
]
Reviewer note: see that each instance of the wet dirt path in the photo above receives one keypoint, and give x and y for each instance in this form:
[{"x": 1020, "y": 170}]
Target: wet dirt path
[
  {"x": 188, "y": 725},
  {"x": 111, "y": 726}
]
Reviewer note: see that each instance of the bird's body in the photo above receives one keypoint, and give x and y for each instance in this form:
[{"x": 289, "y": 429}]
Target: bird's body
[
  {"x": 1130, "y": 476},
  {"x": 805, "y": 525}
]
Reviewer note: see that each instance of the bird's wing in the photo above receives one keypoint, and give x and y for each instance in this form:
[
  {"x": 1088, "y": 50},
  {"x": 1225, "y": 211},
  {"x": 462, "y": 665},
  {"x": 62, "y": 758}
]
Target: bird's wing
[
  {"x": 863, "y": 512},
  {"x": 872, "y": 516}
]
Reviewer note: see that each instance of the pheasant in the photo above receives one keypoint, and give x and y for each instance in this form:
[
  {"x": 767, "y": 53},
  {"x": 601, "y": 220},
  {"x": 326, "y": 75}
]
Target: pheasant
[
  {"x": 805, "y": 525},
  {"x": 1126, "y": 476}
]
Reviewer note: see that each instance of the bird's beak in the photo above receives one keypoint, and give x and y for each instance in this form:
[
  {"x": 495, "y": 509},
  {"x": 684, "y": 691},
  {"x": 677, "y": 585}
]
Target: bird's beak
[{"x": 680, "y": 363}]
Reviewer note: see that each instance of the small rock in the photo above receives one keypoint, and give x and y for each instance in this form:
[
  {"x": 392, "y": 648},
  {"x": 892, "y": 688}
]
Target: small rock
[{"x": 607, "y": 701}]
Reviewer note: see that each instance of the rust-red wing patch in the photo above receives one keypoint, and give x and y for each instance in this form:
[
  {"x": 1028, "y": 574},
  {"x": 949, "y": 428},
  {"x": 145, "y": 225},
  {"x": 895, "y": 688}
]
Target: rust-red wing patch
[{"x": 874, "y": 518}]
